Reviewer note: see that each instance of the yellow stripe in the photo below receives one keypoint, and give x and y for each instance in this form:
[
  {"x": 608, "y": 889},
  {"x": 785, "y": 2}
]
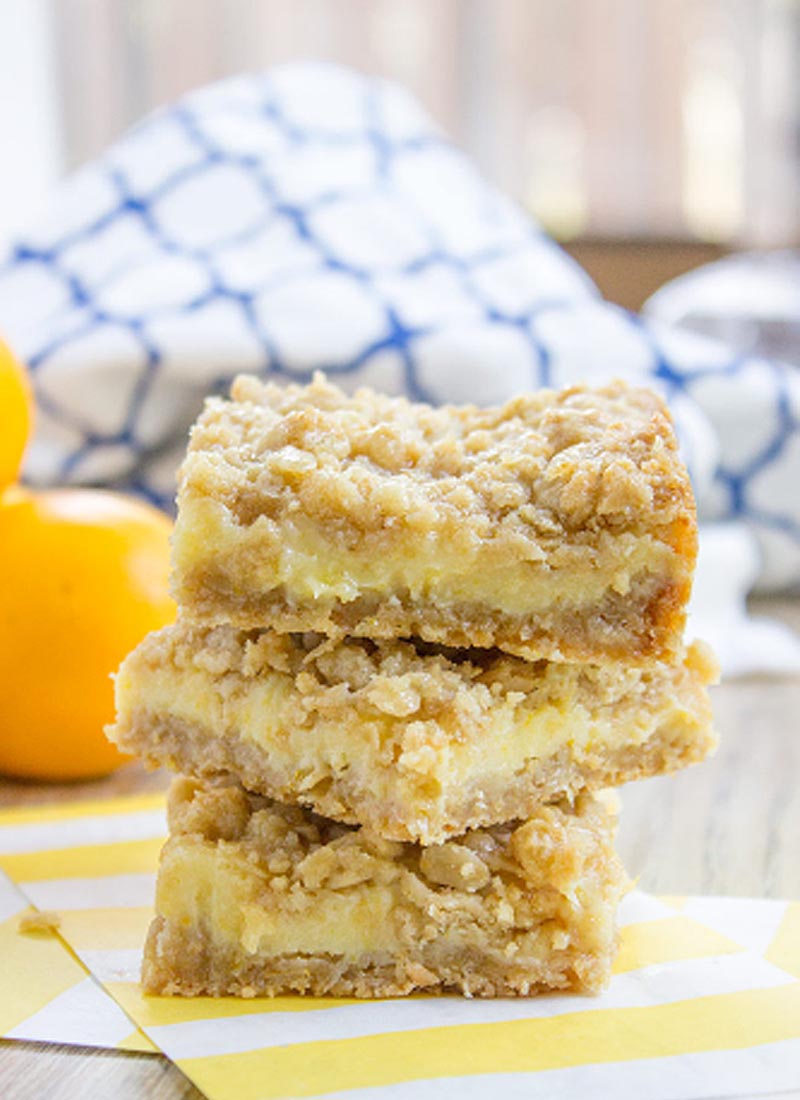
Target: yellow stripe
[
  {"x": 728, "y": 1022},
  {"x": 158, "y": 1011},
  {"x": 669, "y": 939},
  {"x": 28, "y": 815},
  {"x": 784, "y": 951},
  {"x": 37, "y": 968},
  {"x": 105, "y": 929},
  {"x": 138, "y": 1041},
  {"x": 127, "y": 857}
]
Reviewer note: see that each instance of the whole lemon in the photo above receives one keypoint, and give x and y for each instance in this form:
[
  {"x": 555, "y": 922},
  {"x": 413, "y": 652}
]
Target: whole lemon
[
  {"x": 84, "y": 578},
  {"x": 16, "y": 415}
]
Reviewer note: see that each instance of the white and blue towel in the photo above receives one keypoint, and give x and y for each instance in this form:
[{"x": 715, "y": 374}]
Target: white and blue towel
[{"x": 312, "y": 218}]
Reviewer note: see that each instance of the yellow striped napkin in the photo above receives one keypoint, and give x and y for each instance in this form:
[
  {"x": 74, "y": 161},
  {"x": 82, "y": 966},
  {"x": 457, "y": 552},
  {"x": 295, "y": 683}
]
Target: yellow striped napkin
[
  {"x": 46, "y": 994},
  {"x": 705, "y": 1001}
]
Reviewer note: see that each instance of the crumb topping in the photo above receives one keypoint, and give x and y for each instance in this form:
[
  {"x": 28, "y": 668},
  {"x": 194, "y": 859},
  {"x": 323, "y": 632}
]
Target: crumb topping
[
  {"x": 404, "y": 678},
  {"x": 298, "y": 850},
  {"x": 546, "y": 464}
]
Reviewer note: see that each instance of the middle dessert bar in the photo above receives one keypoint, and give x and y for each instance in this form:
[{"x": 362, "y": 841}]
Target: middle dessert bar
[{"x": 415, "y": 741}]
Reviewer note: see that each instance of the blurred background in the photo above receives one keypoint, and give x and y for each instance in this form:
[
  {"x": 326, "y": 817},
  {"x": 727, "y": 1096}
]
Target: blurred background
[{"x": 649, "y": 136}]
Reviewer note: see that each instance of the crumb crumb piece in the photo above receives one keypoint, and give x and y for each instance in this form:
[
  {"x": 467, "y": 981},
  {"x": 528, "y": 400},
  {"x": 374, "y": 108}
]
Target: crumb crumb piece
[{"x": 39, "y": 921}]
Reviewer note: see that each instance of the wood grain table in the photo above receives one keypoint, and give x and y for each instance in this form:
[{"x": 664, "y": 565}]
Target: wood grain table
[{"x": 729, "y": 826}]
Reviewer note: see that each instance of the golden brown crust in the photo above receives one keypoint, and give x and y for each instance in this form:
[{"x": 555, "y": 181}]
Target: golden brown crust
[
  {"x": 640, "y": 627},
  {"x": 507, "y": 911},
  {"x": 555, "y": 482},
  {"x": 186, "y": 962},
  {"x": 370, "y": 732}
]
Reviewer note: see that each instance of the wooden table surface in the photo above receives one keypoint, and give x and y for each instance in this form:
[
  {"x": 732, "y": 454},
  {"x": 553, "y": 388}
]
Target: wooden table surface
[{"x": 729, "y": 826}]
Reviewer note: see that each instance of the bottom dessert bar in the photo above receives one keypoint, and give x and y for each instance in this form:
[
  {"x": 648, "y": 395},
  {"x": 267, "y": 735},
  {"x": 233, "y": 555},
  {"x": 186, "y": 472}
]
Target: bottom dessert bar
[{"x": 257, "y": 898}]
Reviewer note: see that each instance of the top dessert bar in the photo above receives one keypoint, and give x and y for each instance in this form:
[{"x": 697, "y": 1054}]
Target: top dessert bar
[{"x": 560, "y": 525}]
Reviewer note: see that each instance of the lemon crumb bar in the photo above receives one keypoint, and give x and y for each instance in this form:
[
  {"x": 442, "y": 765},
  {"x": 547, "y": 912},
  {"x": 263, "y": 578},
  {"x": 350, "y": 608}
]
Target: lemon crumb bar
[
  {"x": 415, "y": 741},
  {"x": 560, "y": 525},
  {"x": 255, "y": 898}
]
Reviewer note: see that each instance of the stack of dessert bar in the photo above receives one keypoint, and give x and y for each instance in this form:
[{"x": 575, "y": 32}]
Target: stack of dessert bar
[{"x": 414, "y": 643}]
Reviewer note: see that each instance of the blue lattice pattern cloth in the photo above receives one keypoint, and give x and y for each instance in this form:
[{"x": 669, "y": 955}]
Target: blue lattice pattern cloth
[{"x": 311, "y": 218}]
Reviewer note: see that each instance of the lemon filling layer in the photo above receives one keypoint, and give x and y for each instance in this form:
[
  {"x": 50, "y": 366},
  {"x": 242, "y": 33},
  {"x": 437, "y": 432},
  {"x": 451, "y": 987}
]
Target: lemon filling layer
[
  {"x": 298, "y": 558},
  {"x": 393, "y": 755},
  {"x": 202, "y": 885}
]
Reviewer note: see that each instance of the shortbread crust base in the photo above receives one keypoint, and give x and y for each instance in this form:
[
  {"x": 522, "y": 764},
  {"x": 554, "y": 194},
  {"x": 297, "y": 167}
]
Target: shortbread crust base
[{"x": 640, "y": 627}]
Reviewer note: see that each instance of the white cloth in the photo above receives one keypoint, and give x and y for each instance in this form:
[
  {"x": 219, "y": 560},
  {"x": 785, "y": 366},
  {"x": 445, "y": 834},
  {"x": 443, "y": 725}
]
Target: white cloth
[
  {"x": 727, "y": 566},
  {"x": 313, "y": 218}
]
